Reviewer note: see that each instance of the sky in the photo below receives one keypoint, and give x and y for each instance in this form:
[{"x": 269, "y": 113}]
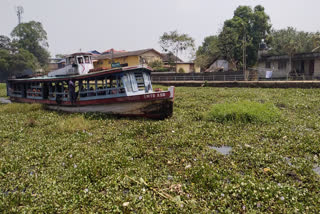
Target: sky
[{"x": 85, "y": 25}]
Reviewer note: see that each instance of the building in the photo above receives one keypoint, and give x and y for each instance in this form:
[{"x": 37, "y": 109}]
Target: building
[
  {"x": 113, "y": 50},
  {"x": 168, "y": 58},
  {"x": 187, "y": 67},
  {"x": 220, "y": 64},
  {"x": 56, "y": 63},
  {"x": 129, "y": 58},
  {"x": 304, "y": 65}
]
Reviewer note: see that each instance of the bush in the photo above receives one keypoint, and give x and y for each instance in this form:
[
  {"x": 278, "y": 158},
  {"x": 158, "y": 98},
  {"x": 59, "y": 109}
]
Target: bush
[
  {"x": 156, "y": 64},
  {"x": 181, "y": 70},
  {"x": 243, "y": 112},
  {"x": 161, "y": 69}
]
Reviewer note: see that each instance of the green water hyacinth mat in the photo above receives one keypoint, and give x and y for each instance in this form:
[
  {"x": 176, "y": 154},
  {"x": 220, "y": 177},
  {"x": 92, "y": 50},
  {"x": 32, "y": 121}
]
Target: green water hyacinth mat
[{"x": 52, "y": 162}]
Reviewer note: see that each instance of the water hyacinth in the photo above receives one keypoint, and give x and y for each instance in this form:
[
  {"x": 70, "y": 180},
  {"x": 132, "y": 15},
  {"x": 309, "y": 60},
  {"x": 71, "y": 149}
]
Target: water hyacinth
[{"x": 51, "y": 164}]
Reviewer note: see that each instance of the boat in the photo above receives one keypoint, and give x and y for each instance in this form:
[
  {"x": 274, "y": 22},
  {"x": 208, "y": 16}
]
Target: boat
[{"x": 78, "y": 87}]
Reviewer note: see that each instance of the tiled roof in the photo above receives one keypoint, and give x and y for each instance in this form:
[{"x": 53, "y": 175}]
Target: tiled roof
[{"x": 167, "y": 56}]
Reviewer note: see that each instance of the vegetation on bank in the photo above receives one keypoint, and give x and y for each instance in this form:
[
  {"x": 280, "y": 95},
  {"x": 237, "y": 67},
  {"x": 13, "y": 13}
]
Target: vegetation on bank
[
  {"x": 56, "y": 162},
  {"x": 3, "y": 90}
]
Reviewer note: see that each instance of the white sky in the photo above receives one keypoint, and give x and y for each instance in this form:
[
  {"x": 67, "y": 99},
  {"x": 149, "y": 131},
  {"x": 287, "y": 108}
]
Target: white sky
[{"x": 137, "y": 24}]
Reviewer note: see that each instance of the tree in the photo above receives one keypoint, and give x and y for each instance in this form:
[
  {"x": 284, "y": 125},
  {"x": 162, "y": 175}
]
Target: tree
[
  {"x": 207, "y": 52},
  {"x": 32, "y": 37},
  {"x": 240, "y": 37},
  {"x": 5, "y": 42},
  {"x": 13, "y": 63},
  {"x": 14, "y": 60},
  {"x": 61, "y": 56},
  {"x": 22, "y": 60},
  {"x": 173, "y": 42}
]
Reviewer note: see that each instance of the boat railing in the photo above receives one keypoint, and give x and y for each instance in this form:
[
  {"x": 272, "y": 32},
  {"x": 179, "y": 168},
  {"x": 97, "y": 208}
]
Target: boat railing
[
  {"x": 63, "y": 95},
  {"x": 16, "y": 93},
  {"x": 108, "y": 92}
]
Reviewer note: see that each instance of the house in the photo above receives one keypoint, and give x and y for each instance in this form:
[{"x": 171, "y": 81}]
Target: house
[
  {"x": 129, "y": 58},
  {"x": 94, "y": 52},
  {"x": 187, "y": 67},
  {"x": 113, "y": 50},
  {"x": 168, "y": 58},
  {"x": 304, "y": 65},
  {"x": 56, "y": 63}
]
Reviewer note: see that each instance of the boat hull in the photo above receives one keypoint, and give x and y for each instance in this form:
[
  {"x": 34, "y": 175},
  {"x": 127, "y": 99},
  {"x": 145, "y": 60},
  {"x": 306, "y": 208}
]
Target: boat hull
[
  {"x": 157, "y": 105},
  {"x": 157, "y": 109}
]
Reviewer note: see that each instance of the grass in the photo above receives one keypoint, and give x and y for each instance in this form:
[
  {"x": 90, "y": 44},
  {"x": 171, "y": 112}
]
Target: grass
[
  {"x": 243, "y": 112},
  {"x": 57, "y": 163},
  {"x": 3, "y": 90}
]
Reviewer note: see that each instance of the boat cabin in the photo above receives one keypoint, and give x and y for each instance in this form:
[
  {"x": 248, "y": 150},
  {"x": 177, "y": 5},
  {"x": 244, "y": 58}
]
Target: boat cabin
[
  {"x": 94, "y": 86},
  {"x": 76, "y": 64}
]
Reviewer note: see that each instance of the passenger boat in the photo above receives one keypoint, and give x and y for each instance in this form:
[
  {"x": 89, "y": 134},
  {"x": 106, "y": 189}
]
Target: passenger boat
[{"x": 77, "y": 87}]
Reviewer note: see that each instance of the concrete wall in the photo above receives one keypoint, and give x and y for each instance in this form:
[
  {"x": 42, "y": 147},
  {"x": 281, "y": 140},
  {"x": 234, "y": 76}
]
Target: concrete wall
[
  {"x": 188, "y": 68},
  {"x": 276, "y": 72},
  {"x": 243, "y": 84},
  {"x": 106, "y": 63},
  {"x": 185, "y": 67},
  {"x": 316, "y": 68},
  {"x": 151, "y": 56}
]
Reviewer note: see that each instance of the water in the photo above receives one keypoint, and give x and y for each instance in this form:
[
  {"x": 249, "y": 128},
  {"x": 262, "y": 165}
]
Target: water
[
  {"x": 225, "y": 150},
  {"x": 317, "y": 170}
]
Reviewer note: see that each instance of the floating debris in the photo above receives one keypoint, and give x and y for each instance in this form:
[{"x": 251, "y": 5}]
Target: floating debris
[
  {"x": 4, "y": 100},
  {"x": 317, "y": 170},
  {"x": 225, "y": 150},
  {"x": 288, "y": 161}
]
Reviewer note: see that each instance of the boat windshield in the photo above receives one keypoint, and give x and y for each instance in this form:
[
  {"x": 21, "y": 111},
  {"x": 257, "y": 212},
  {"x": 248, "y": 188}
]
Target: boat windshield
[
  {"x": 80, "y": 60},
  {"x": 87, "y": 59},
  {"x": 70, "y": 60}
]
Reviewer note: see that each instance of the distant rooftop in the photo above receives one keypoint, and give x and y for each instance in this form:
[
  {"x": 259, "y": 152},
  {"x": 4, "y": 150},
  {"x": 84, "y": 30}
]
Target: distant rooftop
[
  {"x": 114, "y": 51},
  {"x": 166, "y": 57},
  {"x": 125, "y": 54}
]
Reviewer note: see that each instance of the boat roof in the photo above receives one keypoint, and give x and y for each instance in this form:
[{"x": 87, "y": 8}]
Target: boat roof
[
  {"x": 79, "y": 54},
  {"x": 78, "y": 77}
]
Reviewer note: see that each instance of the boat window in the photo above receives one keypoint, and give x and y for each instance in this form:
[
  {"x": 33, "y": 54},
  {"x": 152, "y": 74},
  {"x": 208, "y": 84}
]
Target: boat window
[
  {"x": 80, "y": 60},
  {"x": 101, "y": 87},
  {"x": 83, "y": 88},
  {"x": 16, "y": 89},
  {"x": 140, "y": 81},
  {"x": 71, "y": 60},
  {"x": 127, "y": 82},
  {"x": 86, "y": 59},
  {"x": 34, "y": 90},
  {"x": 120, "y": 85},
  {"x": 147, "y": 82},
  {"x": 133, "y": 82}
]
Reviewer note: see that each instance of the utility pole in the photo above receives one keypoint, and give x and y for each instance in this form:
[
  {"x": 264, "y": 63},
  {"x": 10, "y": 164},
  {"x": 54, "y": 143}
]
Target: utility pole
[{"x": 19, "y": 11}]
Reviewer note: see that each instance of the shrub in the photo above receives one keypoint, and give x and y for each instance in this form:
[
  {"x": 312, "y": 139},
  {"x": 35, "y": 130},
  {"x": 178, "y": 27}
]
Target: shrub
[
  {"x": 161, "y": 69},
  {"x": 243, "y": 112},
  {"x": 156, "y": 64},
  {"x": 181, "y": 70}
]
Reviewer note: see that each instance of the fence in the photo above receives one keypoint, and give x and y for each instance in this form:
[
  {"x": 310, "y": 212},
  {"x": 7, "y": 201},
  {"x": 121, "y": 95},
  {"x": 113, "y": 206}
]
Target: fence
[
  {"x": 221, "y": 77},
  {"x": 199, "y": 78}
]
